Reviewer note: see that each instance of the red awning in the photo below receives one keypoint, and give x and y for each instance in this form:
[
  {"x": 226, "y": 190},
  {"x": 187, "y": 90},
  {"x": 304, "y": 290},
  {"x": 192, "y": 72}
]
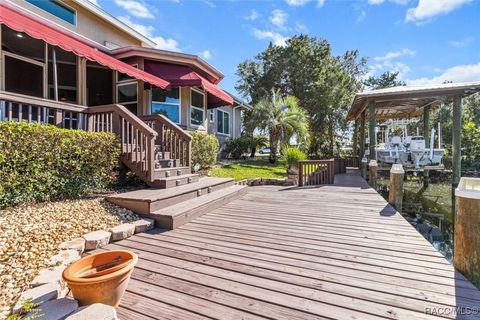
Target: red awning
[
  {"x": 38, "y": 30},
  {"x": 184, "y": 76}
]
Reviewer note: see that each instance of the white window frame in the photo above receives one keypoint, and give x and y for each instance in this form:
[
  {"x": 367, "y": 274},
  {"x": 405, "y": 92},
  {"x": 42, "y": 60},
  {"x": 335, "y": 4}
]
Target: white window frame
[
  {"x": 194, "y": 107},
  {"x": 229, "y": 123},
  {"x": 123, "y": 83},
  {"x": 171, "y": 104},
  {"x": 211, "y": 115},
  {"x": 61, "y": 3}
]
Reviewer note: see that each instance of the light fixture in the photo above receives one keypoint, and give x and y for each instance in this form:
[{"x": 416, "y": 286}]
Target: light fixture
[{"x": 19, "y": 35}]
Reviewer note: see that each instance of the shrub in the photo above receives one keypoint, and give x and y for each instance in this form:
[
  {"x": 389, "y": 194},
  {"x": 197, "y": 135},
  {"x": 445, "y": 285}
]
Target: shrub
[
  {"x": 237, "y": 147},
  {"x": 292, "y": 155},
  {"x": 204, "y": 149},
  {"x": 42, "y": 162}
]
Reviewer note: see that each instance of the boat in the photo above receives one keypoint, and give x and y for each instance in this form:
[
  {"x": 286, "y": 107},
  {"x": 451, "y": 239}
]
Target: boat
[{"x": 398, "y": 147}]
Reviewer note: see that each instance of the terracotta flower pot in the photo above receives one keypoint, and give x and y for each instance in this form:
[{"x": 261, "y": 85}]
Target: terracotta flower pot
[{"x": 101, "y": 277}]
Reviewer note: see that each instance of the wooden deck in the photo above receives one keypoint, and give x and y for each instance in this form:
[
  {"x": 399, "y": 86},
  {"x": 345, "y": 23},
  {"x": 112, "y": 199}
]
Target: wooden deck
[{"x": 331, "y": 252}]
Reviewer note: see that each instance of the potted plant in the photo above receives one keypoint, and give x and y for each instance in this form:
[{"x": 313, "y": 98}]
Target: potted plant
[
  {"x": 101, "y": 277},
  {"x": 292, "y": 156}
]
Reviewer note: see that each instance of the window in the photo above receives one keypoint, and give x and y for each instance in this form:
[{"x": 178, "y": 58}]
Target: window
[
  {"x": 66, "y": 75},
  {"x": 99, "y": 84},
  {"x": 23, "y": 76},
  {"x": 167, "y": 103},
  {"x": 124, "y": 76},
  {"x": 211, "y": 115},
  {"x": 127, "y": 96},
  {"x": 57, "y": 9},
  {"x": 196, "y": 109},
  {"x": 223, "y": 122}
]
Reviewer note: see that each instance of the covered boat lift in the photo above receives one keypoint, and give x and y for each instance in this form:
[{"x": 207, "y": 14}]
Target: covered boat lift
[{"x": 407, "y": 102}]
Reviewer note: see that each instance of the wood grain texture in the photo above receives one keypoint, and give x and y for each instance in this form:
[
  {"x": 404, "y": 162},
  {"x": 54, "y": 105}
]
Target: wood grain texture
[{"x": 329, "y": 252}]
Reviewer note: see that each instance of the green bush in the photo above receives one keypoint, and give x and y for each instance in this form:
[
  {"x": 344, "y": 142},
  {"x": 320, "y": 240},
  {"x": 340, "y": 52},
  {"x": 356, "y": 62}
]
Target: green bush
[
  {"x": 204, "y": 149},
  {"x": 292, "y": 155},
  {"x": 237, "y": 147},
  {"x": 42, "y": 162}
]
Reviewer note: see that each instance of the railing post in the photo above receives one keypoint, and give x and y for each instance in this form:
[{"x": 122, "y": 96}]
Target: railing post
[
  {"x": 467, "y": 229},
  {"x": 363, "y": 167},
  {"x": 395, "y": 195},
  {"x": 300, "y": 173},
  {"x": 372, "y": 173}
]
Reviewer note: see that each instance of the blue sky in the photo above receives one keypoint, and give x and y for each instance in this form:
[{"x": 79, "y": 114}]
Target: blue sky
[{"x": 427, "y": 41}]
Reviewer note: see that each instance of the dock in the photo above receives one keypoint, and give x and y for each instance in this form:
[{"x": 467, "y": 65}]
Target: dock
[{"x": 326, "y": 252}]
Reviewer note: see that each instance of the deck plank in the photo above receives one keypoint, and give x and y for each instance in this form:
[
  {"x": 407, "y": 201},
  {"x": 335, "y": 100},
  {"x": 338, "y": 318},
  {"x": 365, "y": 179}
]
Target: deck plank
[{"x": 331, "y": 252}]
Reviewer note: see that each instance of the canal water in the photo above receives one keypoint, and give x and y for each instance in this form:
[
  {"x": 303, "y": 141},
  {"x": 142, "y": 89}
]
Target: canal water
[{"x": 429, "y": 209}]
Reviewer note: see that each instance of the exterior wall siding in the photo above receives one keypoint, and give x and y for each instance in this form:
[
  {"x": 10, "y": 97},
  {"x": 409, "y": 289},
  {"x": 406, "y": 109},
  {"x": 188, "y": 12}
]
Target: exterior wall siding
[{"x": 88, "y": 25}]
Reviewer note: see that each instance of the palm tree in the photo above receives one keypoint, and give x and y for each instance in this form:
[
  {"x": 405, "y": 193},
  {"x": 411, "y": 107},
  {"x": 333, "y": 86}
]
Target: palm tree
[{"x": 282, "y": 118}]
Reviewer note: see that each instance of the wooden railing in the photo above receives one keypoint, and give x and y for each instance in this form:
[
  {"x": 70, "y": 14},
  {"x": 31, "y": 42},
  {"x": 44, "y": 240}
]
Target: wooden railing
[
  {"x": 352, "y": 161},
  {"x": 340, "y": 165},
  {"x": 22, "y": 108},
  {"x": 171, "y": 138},
  {"x": 315, "y": 172},
  {"x": 137, "y": 139}
]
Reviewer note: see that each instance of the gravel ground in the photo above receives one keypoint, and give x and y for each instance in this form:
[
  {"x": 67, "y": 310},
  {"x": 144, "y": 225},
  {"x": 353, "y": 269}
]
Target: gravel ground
[{"x": 30, "y": 235}]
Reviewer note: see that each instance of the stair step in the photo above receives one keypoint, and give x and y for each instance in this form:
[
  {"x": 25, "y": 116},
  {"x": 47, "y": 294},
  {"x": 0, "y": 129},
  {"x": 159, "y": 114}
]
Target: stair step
[
  {"x": 170, "y": 163},
  {"x": 170, "y": 172},
  {"x": 176, "y": 181},
  {"x": 149, "y": 200},
  {"x": 162, "y": 155},
  {"x": 174, "y": 216}
]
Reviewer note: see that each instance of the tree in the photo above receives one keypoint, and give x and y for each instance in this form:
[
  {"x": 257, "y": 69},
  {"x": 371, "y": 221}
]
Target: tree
[
  {"x": 385, "y": 80},
  {"x": 323, "y": 83},
  {"x": 281, "y": 117}
]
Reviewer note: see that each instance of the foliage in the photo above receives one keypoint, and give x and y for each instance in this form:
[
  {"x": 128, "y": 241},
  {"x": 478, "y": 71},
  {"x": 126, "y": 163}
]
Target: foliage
[
  {"x": 385, "y": 80},
  {"x": 204, "y": 149},
  {"x": 42, "y": 162},
  {"x": 305, "y": 68},
  {"x": 255, "y": 142},
  {"x": 237, "y": 147},
  {"x": 281, "y": 118},
  {"x": 250, "y": 169},
  {"x": 292, "y": 155}
]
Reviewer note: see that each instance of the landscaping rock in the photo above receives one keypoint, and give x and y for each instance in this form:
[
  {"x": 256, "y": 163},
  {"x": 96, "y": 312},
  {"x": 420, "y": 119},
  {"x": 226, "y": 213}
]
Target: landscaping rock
[
  {"x": 122, "y": 231},
  {"x": 96, "y": 239},
  {"x": 65, "y": 257},
  {"x": 49, "y": 275},
  {"x": 38, "y": 295},
  {"x": 143, "y": 225},
  {"x": 53, "y": 310},
  {"x": 74, "y": 244},
  {"x": 97, "y": 311}
]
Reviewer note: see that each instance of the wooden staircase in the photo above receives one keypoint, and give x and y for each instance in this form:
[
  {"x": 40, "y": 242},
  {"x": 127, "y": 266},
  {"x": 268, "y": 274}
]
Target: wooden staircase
[{"x": 159, "y": 152}]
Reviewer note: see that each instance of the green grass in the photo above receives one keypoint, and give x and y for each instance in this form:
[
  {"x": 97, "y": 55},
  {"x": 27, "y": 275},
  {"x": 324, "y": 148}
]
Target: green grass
[{"x": 251, "y": 168}]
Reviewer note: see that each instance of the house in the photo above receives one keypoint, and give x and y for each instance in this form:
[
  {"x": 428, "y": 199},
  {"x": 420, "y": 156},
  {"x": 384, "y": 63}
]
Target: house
[
  {"x": 225, "y": 122},
  {"x": 73, "y": 65}
]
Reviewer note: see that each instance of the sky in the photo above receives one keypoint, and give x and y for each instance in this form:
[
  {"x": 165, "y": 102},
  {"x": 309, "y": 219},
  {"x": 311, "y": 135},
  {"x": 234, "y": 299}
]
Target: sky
[{"x": 426, "y": 41}]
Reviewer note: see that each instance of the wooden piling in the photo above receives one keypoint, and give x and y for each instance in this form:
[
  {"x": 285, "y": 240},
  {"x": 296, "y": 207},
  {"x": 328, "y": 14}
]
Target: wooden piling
[
  {"x": 372, "y": 173},
  {"x": 467, "y": 229},
  {"x": 395, "y": 195},
  {"x": 456, "y": 146},
  {"x": 371, "y": 129}
]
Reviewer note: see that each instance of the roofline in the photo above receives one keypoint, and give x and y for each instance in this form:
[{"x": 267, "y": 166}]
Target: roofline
[
  {"x": 114, "y": 21},
  {"x": 239, "y": 101},
  {"x": 169, "y": 57}
]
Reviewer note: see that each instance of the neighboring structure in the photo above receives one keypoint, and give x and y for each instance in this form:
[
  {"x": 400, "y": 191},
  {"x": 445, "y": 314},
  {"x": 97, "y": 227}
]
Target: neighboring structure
[
  {"x": 226, "y": 121},
  {"x": 72, "y": 65}
]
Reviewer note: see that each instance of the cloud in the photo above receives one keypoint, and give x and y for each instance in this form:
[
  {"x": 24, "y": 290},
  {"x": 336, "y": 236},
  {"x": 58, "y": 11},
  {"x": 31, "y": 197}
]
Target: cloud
[
  {"x": 461, "y": 73},
  {"x": 375, "y": 2},
  {"x": 149, "y": 31},
  {"x": 361, "y": 16},
  {"x": 300, "y": 27},
  {"x": 135, "y": 8},
  {"x": 461, "y": 43},
  {"x": 278, "y": 18},
  {"x": 395, "y": 54},
  {"x": 209, "y": 3},
  {"x": 427, "y": 9},
  {"x": 254, "y": 15},
  {"x": 206, "y": 54},
  {"x": 296, "y": 3},
  {"x": 320, "y": 3},
  {"x": 275, "y": 37}
]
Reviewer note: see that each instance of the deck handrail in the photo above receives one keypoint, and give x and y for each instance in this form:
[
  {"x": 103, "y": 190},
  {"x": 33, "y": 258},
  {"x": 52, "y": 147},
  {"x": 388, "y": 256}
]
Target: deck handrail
[
  {"x": 316, "y": 172},
  {"x": 171, "y": 138},
  {"x": 42, "y": 102},
  {"x": 137, "y": 139}
]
